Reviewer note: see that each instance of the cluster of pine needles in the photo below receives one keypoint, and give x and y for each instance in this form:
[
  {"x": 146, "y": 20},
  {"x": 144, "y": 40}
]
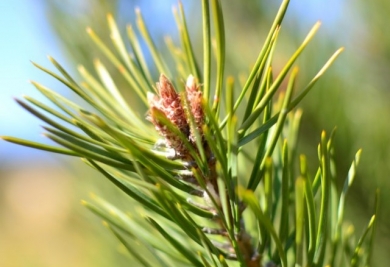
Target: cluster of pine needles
[{"x": 216, "y": 176}]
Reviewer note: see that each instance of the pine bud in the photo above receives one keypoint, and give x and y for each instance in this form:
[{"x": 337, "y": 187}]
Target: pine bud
[
  {"x": 169, "y": 104},
  {"x": 194, "y": 96}
]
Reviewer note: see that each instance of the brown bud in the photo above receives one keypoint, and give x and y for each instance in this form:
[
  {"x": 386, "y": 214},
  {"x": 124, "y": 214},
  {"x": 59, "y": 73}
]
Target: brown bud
[
  {"x": 194, "y": 96},
  {"x": 169, "y": 104},
  {"x": 157, "y": 117},
  {"x": 167, "y": 92}
]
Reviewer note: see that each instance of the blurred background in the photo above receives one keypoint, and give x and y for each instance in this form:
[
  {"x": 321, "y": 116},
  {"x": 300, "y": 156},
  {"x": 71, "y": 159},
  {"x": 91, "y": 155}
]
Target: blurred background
[{"x": 42, "y": 221}]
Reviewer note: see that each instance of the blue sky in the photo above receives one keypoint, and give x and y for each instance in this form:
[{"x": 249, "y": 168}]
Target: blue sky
[{"x": 26, "y": 35}]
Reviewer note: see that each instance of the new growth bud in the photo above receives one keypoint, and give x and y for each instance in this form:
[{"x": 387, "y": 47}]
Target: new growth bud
[
  {"x": 194, "y": 96},
  {"x": 169, "y": 104}
]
